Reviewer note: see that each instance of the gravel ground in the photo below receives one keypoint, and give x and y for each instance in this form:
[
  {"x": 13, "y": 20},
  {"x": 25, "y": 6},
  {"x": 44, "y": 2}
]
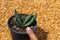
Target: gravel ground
[{"x": 48, "y": 18}]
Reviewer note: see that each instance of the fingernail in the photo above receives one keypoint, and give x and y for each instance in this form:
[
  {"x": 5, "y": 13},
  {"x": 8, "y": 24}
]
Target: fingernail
[{"x": 28, "y": 28}]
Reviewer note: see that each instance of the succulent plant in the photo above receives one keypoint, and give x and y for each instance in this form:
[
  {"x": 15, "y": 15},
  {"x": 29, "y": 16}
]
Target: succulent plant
[{"x": 24, "y": 21}]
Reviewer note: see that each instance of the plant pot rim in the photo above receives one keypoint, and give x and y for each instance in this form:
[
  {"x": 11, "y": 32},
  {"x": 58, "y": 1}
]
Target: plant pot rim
[{"x": 9, "y": 26}]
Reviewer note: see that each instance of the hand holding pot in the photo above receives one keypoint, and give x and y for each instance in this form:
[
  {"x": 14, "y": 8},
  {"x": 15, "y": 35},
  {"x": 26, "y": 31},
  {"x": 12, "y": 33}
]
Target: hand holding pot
[{"x": 31, "y": 34}]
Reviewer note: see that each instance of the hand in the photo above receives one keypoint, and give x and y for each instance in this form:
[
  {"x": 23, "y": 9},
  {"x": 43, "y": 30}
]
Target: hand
[{"x": 31, "y": 34}]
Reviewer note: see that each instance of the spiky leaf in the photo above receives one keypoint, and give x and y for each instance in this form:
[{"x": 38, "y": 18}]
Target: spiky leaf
[
  {"x": 18, "y": 17},
  {"x": 32, "y": 19},
  {"x": 16, "y": 22},
  {"x": 27, "y": 18}
]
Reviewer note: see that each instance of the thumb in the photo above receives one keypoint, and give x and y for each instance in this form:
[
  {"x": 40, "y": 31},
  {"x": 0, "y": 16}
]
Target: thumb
[{"x": 31, "y": 33}]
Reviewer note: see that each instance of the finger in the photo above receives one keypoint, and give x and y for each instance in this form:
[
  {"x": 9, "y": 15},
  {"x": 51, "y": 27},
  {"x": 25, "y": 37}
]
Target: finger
[{"x": 31, "y": 33}]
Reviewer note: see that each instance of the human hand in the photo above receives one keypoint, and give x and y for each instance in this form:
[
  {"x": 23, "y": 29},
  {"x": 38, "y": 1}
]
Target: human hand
[{"x": 31, "y": 34}]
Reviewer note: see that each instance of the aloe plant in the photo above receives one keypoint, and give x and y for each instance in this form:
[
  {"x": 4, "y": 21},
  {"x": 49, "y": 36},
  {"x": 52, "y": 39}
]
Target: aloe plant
[{"x": 27, "y": 20}]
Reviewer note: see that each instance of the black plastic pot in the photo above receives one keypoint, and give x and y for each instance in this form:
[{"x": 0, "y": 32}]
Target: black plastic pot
[{"x": 19, "y": 35}]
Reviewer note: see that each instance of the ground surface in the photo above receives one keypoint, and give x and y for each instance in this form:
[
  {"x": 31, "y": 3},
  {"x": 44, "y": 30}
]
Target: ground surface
[{"x": 48, "y": 18}]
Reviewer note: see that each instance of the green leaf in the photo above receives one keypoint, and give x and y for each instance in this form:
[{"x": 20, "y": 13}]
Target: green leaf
[
  {"x": 15, "y": 22},
  {"x": 27, "y": 18},
  {"x": 32, "y": 20},
  {"x": 18, "y": 17}
]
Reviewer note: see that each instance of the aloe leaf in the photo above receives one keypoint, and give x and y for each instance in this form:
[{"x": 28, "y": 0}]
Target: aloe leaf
[
  {"x": 27, "y": 18},
  {"x": 23, "y": 19},
  {"x": 18, "y": 17},
  {"x": 33, "y": 18},
  {"x": 15, "y": 22}
]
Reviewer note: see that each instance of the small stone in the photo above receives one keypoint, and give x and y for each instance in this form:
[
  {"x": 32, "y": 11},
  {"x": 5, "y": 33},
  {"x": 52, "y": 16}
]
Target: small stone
[
  {"x": 17, "y": 28},
  {"x": 14, "y": 26},
  {"x": 31, "y": 26},
  {"x": 6, "y": 38}
]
